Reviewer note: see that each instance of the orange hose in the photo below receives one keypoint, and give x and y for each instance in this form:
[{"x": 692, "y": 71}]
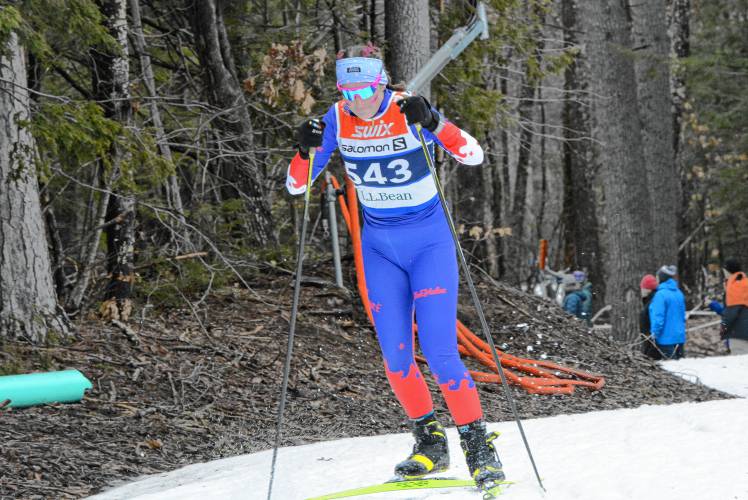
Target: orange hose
[
  {"x": 543, "y": 254},
  {"x": 543, "y": 377}
]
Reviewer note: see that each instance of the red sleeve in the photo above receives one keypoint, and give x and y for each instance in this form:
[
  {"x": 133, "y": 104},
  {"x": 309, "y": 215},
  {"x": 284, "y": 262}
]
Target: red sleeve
[
  {"x": 461, "y": 145},
  {"x": 298, "y": 173}
]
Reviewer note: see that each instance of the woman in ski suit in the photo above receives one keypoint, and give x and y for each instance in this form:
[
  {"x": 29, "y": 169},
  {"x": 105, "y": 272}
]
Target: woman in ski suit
[{"x": 409, "y": 255}]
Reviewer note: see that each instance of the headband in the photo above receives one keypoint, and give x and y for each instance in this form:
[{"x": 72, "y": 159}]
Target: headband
[{"x": 359, "y": 70}]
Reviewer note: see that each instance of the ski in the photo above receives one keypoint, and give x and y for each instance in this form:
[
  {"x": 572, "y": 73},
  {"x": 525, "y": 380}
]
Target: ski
[
  {"x": 418, "y": 484},
  {"x": 426, "y": 477}
]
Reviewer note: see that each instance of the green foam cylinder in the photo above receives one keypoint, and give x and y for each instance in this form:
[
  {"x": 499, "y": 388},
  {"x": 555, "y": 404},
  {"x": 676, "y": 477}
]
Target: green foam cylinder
[{"x": 32, "y": 389}]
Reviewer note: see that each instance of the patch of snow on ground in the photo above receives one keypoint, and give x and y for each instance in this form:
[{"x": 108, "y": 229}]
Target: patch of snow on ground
[
  {"x": 689, "y": 451},
  {"x": 727, "y": 373}
]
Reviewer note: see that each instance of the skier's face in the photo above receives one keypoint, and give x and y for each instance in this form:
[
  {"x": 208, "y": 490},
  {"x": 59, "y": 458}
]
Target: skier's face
[{"x": 367, "y": 106}]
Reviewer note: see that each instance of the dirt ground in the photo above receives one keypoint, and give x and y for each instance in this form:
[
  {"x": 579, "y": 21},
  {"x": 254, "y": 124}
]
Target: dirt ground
[{"x": 198, "y": 383}]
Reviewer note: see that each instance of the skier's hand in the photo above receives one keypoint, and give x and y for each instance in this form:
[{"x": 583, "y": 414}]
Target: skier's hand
[
  {"x": 418, "y": 110},
  {"x": 309, "y": 135}
]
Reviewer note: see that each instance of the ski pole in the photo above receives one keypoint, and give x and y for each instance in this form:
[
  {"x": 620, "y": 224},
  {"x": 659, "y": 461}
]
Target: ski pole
[
  {"x": 476, "y": 301},
  {"x": 292, "y": 328}
]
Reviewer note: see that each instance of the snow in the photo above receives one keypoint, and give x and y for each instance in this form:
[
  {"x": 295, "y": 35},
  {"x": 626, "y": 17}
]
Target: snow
[
  {"x": 689, "y": 451},
  {"x": 726, "y": 373}
]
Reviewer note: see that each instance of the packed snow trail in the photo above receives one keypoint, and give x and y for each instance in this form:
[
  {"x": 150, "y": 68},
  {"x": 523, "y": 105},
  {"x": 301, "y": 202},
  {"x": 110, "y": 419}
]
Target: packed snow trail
[{"x": 688, "y": 451}]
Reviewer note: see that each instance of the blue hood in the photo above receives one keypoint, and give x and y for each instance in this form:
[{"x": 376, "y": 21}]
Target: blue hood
[{"x": 670, "y": 284}]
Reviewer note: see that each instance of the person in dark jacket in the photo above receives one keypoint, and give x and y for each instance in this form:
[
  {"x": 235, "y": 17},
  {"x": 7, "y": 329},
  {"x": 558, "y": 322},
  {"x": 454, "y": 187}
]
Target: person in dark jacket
[
  {"x": 734, "y": 326},
  {"x": 667, "y": 315},
  {"x": 648, "y": 287}
]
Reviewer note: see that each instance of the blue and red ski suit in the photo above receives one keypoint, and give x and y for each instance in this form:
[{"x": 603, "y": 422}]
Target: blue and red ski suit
[{"x": 409, "y": 255}]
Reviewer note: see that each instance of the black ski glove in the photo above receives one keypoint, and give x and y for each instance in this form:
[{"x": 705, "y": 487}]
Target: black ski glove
[
  {"x": 418, "y": 110},
  {"x": 309, "y": 135}
]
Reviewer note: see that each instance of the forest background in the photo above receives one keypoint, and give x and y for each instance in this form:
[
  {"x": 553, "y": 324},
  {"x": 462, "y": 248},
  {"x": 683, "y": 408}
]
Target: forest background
[{"x": 144, "y": 143}]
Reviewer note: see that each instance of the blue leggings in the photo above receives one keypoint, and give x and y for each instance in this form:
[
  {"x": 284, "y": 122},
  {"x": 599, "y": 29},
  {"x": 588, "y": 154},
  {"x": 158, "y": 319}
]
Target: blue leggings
[{"x": 412, "y": 267}]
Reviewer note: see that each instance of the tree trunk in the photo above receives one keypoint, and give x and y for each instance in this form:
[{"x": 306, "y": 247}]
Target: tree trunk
[
  {"x": 90, "y": 243},
  {"x": 376, "y": 18},
  {"x": 173, "y": 194},
  {"x": 225, "y": 93},
  {"x": 28, "y": 307},
  {"x": 489, "y": 206},
  {"x": 112, "y": 87},
  {"x": 679, "y": 15},
  {"x": 652, "y": 66},
  {"x": 626, "y": 236},
  {"x": 56, "y": 247},
  {"x": 364, "y": 24},
  {"x": 408, "y": 34},
  {"x": 579, "y": 206},
  {"x": 520, "y": 247},
  {"x": 679, "y": 20}
]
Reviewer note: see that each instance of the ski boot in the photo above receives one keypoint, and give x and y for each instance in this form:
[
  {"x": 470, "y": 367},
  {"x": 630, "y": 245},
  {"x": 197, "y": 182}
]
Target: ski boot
[
  {"x": 430, "y": 453},
  {"x": 481, "y": 457}
]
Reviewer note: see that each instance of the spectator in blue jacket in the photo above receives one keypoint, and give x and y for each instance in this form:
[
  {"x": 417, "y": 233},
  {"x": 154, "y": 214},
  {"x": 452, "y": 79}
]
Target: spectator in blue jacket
[
  {"x": 667, "y": 314},
  {"x": 579, "y": 301}
]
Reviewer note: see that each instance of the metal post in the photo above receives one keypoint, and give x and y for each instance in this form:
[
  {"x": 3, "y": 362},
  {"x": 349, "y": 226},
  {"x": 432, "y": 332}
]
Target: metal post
[
  {"x": 451, "y": 49},
  {"x": 333, "y": 221}
]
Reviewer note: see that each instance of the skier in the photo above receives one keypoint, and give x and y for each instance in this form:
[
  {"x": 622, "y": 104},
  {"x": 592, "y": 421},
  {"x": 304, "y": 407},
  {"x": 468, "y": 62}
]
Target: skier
[{"x": 409, "y": 255}]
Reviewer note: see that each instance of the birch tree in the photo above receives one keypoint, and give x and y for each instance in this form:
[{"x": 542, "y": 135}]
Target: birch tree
[{"x": 116, "y": 208}]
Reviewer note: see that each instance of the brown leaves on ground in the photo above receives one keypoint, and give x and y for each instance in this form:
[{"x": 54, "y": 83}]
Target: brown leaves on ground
[{"x": 114, "y": 309}]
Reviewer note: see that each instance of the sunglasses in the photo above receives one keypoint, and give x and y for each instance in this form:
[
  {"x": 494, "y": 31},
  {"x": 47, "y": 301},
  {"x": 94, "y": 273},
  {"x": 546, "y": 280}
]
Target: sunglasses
[{"x": 364, "y": 92}]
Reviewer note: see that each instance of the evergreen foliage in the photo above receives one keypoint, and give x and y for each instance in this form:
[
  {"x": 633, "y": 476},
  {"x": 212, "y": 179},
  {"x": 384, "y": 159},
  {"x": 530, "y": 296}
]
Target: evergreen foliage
[
  {"x": 282, "y": 56},
  {"x": 716, "y": 128}
]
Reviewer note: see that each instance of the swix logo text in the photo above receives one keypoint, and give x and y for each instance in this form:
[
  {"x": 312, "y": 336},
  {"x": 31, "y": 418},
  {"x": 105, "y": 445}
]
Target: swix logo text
[
  {"x": 368, "y": 131},
  {"x": 437, "y": 290}
]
